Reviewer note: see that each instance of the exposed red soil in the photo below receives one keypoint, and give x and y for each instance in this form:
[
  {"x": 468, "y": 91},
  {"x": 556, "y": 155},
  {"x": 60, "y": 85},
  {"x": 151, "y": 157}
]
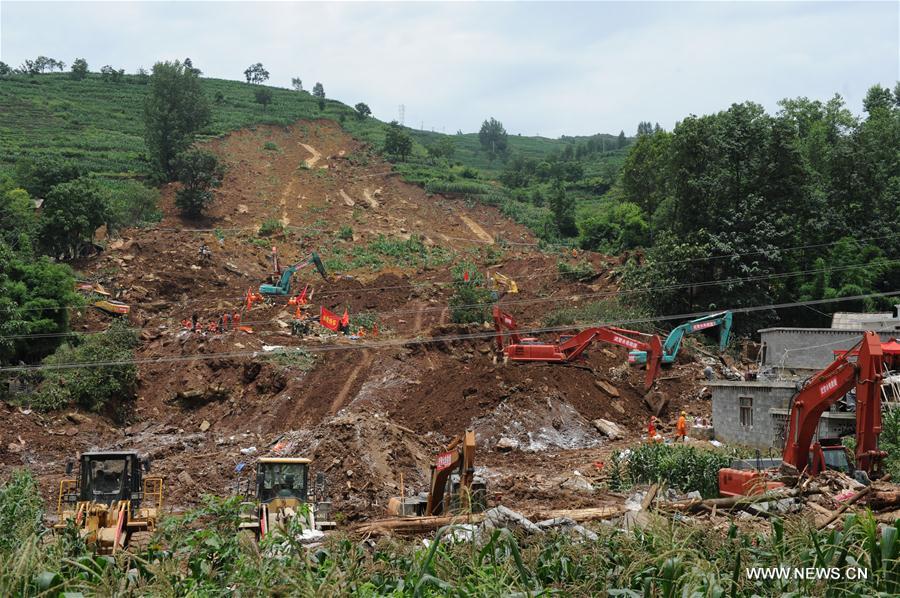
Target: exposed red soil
[{"x": 365, "y": 410}]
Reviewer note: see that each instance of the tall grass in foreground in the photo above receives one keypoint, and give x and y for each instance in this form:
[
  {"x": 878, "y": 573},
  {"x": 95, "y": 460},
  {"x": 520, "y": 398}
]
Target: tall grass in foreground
[{"x": 199, "y": 554}]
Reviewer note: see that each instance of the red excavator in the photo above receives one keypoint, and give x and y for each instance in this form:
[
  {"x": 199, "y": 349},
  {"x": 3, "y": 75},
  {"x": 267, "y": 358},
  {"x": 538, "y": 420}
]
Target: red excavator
[
  {"x": 569, "y": 348},
  {"x": 465, "y": 494},
  {"x": 818, "y": 394}
]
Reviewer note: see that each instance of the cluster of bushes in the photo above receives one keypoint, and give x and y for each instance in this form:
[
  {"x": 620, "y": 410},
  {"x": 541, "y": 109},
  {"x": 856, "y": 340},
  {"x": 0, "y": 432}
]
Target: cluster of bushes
[
  {"x": 581, "y": 270},
  {"x": 384, "y": 251},
  {"x": 609, "y": 309},
  {"x": 685, "y": 468},
  {"x": 108, "y": 387},
  {"x": 270, "y": 227},
  {"x": 471, "y": 299}
]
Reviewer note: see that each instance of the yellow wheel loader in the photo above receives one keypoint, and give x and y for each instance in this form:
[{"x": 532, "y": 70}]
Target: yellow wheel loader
[
  {"x": 282, "y": 494},
  {"x": 501, "y": 285},
  {"x": 110, "y": 501}
]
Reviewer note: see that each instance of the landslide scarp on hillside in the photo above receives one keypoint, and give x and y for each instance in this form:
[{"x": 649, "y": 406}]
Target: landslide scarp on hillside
[{"x": 366, "y": 409}]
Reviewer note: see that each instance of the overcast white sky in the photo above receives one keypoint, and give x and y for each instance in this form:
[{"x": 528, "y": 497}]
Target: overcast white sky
[{"x": 541, "y": 68}]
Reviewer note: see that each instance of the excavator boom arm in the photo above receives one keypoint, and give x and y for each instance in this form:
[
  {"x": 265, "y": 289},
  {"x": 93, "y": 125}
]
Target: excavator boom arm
[
  {"x": 576, "y": 345},
  {"x": 827, "y": 387},
  {"x": 458, "y": 457},
  {"x": 503, "y": 320},
  {"x": 721, "y": 319}
]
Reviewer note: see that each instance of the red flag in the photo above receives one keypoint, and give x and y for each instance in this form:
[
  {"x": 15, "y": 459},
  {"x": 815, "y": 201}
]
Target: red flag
[
  {"x": 329, "y": 320},
  {"x": 345, "y": 321},
  {"x": 466, "y": 276}
]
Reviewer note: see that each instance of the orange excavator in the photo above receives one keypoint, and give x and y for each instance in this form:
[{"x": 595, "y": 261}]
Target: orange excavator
[
  {"x": 818, "y": 394},
  {"x": 568, "y": 348},
  {"x": 458, "y": 458}
]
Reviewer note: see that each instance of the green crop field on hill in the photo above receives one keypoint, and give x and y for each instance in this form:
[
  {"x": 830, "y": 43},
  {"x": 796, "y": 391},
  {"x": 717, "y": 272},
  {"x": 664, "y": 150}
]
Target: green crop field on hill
[{"x": 99, "y": 124}]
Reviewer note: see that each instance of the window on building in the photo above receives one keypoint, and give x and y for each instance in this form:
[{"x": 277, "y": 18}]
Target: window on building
[
  {"x": 746, "y": 404},
  {"x": 779, "y": 429}
]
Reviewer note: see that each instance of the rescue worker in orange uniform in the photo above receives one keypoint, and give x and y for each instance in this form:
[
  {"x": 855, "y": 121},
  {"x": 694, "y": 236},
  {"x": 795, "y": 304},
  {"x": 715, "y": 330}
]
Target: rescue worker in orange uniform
[
  {"x": 681, "y": 428},
  {"x": 651, "y": 429}
]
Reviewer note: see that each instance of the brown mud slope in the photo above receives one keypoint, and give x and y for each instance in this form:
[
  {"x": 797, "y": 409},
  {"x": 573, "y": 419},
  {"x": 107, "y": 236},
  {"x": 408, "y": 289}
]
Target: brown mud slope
[{"x": 366, "y": 410}]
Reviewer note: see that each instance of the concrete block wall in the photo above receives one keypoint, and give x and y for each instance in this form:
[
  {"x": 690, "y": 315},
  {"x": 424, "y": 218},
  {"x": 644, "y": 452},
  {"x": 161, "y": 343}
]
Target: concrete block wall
[
  {"x": 770, "y": 404},
  {"x": 726, "y": 411},
  {"x": 869, "y": 321},
  {"x": 807, "y": 348}
]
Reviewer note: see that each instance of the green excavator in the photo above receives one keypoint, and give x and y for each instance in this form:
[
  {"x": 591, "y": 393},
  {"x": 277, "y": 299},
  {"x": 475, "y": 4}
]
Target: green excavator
[
  {"x": 283, "y": 288},
  {"x": 722, "y": 320}
]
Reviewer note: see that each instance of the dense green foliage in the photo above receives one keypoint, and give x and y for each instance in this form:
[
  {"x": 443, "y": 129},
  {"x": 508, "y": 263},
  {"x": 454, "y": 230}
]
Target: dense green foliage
[
  {"x": 39, "y": 175},
  {"x": 20, "y": 510},
  {"x": 175, "y": 108},
  {"x": 34, "y": 292},
  {"x": 684, "y": 468},
  {"x": 493, "y": 137},
  {"x": 199, "y": 554},
  {"x": 128, "y": 203},
  {"x": 471, "y": 297},
  {"x": 199, "y": 172},
  {"x": 109, "y": 387},
  {"x": 725, "y": 194},
  {"x": 71, "y": 213},
  {"x": 34, "y": 296},
  {"x": 362, "y": 110},
  {"x": 397, "y": 143}
]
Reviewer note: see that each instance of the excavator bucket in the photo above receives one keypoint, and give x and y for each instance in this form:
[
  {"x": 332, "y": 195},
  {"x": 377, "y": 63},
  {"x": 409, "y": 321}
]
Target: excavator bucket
[
  {"x": 317, "y": 262},
  {"x": 654, "y": 361}
]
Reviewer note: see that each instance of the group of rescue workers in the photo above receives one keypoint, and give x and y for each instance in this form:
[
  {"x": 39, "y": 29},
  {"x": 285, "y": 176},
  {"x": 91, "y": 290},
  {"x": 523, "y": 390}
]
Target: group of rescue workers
[
  {"x": 225, "y": 323},
  {"x": 654, "y": 436}
]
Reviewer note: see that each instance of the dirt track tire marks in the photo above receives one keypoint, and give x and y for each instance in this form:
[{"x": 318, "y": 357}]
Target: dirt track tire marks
[
  {"x": 476, "y": 228},
  {"x": 341, "y": 398},
  {"x": 288, "y": 190},
  {"x": 316, "y": 155},
  {"x": 417, "y": 326}
]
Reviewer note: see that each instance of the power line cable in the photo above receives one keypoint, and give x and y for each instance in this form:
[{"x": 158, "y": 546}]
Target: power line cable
[
  {"x": 416, "y": 341},
  {"x": 627, "y": 291},
  {"x": 547, "y": 274},
  {"x": 598, "y": 295}
]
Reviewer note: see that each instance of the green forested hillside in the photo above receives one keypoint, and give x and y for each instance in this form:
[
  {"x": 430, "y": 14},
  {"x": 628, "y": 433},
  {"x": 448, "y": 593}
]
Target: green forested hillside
[{"x": 800, "y": 204}]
